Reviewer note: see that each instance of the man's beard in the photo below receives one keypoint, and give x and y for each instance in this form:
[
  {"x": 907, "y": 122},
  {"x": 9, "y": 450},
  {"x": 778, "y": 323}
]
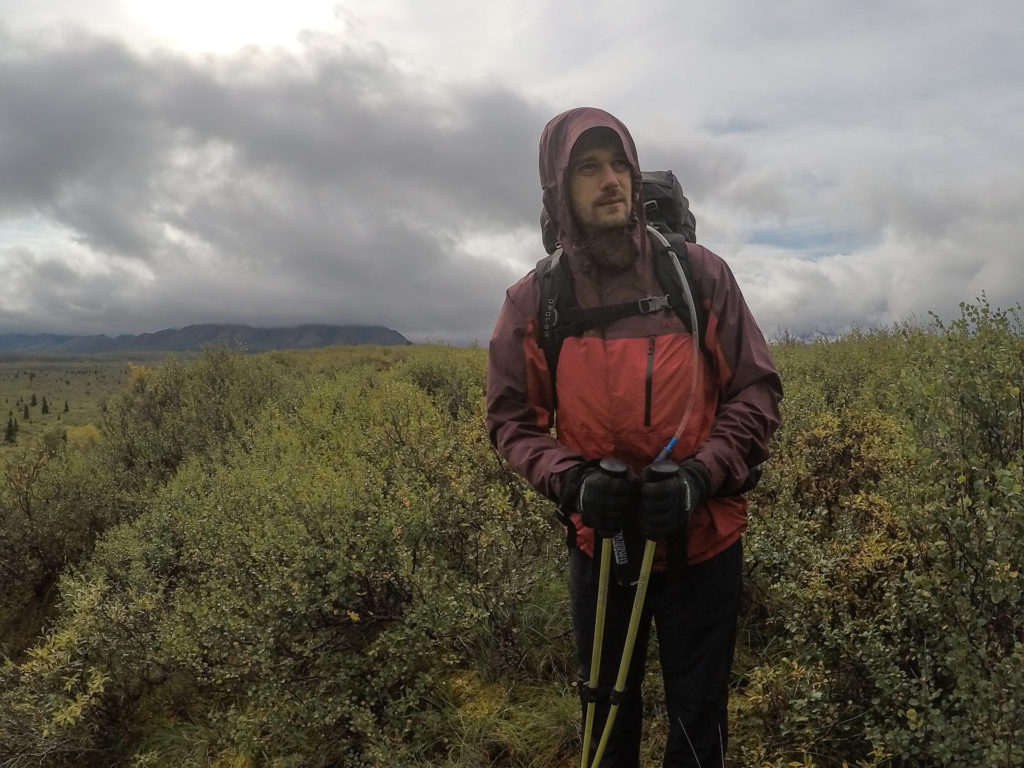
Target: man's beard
[{"x": 613, "y": 249}]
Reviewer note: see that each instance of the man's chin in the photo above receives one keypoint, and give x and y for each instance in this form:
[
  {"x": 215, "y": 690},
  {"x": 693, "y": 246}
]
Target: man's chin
[{"x": 611, "y": 219}]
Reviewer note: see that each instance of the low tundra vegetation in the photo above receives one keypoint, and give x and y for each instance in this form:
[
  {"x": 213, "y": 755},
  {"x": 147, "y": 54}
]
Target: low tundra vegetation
[{"x": 318, "y": 560}]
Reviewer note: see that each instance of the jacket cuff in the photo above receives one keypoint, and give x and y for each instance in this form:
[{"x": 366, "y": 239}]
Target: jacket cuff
[
  {"x": 700, "y": 473},
  {"x": 715, "y": 480}
]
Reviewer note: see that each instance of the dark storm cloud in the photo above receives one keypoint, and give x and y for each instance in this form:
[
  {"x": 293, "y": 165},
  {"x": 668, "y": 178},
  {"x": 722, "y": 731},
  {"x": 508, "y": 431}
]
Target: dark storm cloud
[
  {"x": 262, "y": 188},
  {"x": 79, "y": 115}
]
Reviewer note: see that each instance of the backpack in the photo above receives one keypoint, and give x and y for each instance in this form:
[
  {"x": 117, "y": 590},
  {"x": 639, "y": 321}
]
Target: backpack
[{"x": 671, "y": 226}]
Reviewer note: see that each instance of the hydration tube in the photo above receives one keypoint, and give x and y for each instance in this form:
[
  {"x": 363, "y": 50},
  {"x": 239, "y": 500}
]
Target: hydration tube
[{"x": 695, "y": 332}]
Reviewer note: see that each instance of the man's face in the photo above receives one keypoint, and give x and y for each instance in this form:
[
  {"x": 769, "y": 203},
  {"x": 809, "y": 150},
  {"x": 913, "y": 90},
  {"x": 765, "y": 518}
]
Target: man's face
[{"x": 600, "y": 182}]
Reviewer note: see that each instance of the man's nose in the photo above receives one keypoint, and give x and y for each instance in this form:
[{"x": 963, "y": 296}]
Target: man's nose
[{"x": 608, "y": 176}]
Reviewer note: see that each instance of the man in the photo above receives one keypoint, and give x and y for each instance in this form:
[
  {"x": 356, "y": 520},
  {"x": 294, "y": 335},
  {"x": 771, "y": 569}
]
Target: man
[{"x": 622, "y": 392}]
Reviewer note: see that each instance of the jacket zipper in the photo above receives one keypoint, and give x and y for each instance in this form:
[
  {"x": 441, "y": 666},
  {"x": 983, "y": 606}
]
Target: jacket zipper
[{"x": 649, "y": 382}]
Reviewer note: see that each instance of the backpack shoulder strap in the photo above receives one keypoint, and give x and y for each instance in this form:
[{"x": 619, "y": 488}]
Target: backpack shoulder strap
[
  {"x": 559, "y": 316},
  {"x": 555, "y": 285},
  {"x": 674, "y": 273}
]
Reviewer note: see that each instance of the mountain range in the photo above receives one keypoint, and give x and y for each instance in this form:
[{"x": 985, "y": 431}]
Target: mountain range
[{"x": 195, "y": 337}]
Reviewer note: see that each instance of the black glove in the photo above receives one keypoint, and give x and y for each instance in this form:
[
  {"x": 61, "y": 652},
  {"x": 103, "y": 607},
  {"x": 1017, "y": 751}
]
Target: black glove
[
  {"x": 603, "y": 492},
  {"x": 669, "y": 494}
]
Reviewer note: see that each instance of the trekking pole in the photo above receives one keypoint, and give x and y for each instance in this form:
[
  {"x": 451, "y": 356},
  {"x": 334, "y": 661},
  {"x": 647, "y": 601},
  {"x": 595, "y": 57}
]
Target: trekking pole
[
  {"x": 615, "y": 468},
  {"x": 662, "y": 467}
]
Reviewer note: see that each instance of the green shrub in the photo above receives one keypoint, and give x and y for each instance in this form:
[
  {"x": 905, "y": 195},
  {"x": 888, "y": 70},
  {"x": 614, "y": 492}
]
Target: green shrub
[
  {"x": 948, "y": 662},
  {"x": 199, "y": 407},
  {"x": 885, "y": 618},
  {"x": 946, "y": 654},
  {"x": 55, "y": 502},
  {"x": 313, "y": 591},
  {"x": 52, "y": 508},
  {"x": 453, "y": 378},
  {"x": 335, "y": 569}
]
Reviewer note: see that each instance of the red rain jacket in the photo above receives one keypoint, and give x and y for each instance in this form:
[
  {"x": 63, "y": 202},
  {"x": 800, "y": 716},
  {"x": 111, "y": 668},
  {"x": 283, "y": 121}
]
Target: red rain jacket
[{"x": 623, "y": 389}]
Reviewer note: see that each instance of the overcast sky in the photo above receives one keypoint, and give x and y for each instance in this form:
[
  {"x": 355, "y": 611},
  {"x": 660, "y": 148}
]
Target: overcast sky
[{"x": 168, "y": 163}]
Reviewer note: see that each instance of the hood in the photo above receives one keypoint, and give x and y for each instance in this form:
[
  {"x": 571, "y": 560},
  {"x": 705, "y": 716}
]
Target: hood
[{"x": 556, "y": 143}]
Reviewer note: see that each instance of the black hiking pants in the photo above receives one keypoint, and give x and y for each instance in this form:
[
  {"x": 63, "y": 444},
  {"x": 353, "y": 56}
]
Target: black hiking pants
[{"x": 694, "y": 610}]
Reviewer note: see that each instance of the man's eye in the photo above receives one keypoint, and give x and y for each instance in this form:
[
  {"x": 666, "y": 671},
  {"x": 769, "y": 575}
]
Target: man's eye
[
  {"x": 586, "y": 169},
  {"x": 621, "y": 164}
]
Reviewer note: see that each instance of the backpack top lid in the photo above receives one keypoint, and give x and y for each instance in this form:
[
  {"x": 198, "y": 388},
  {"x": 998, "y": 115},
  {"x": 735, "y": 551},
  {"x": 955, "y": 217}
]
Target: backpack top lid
[{"x": 665, "y": 206}]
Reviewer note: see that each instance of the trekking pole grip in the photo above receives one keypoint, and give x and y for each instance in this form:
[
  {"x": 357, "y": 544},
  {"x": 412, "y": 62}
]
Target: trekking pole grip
[
  {"x": 662, "y": 470},
  {"x": 614, "y": 467}
]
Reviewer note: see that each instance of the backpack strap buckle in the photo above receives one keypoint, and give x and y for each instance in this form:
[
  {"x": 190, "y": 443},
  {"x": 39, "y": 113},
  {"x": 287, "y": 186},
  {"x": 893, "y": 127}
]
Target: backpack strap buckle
[{"x": 650, "y": 304}]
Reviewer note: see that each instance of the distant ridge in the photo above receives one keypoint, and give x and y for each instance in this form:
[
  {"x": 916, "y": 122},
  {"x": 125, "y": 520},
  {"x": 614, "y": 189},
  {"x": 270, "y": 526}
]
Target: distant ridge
[{"x": 195, "y": 337}]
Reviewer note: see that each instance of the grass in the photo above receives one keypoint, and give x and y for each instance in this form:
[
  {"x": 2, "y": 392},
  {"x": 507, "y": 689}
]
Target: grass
[{"x": 75, "y": 389}]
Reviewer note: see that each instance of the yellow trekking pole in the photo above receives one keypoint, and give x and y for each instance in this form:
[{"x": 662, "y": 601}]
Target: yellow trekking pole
[
  {"x": 595, "y": 657},
  {"x": 627, "y": 650},
  {"x": 615, "y": 468}
]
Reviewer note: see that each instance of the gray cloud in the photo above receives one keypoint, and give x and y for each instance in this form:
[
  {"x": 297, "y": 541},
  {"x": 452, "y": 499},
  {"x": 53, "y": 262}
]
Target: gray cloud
[
  {"x": 856, "y": 164},
  {"x": 264, "y": 189}
]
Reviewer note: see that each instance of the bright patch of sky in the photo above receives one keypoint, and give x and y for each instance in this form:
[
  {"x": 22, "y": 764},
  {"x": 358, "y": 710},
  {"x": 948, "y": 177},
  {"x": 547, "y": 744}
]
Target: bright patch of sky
[{"x": 810, "y": 241}]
